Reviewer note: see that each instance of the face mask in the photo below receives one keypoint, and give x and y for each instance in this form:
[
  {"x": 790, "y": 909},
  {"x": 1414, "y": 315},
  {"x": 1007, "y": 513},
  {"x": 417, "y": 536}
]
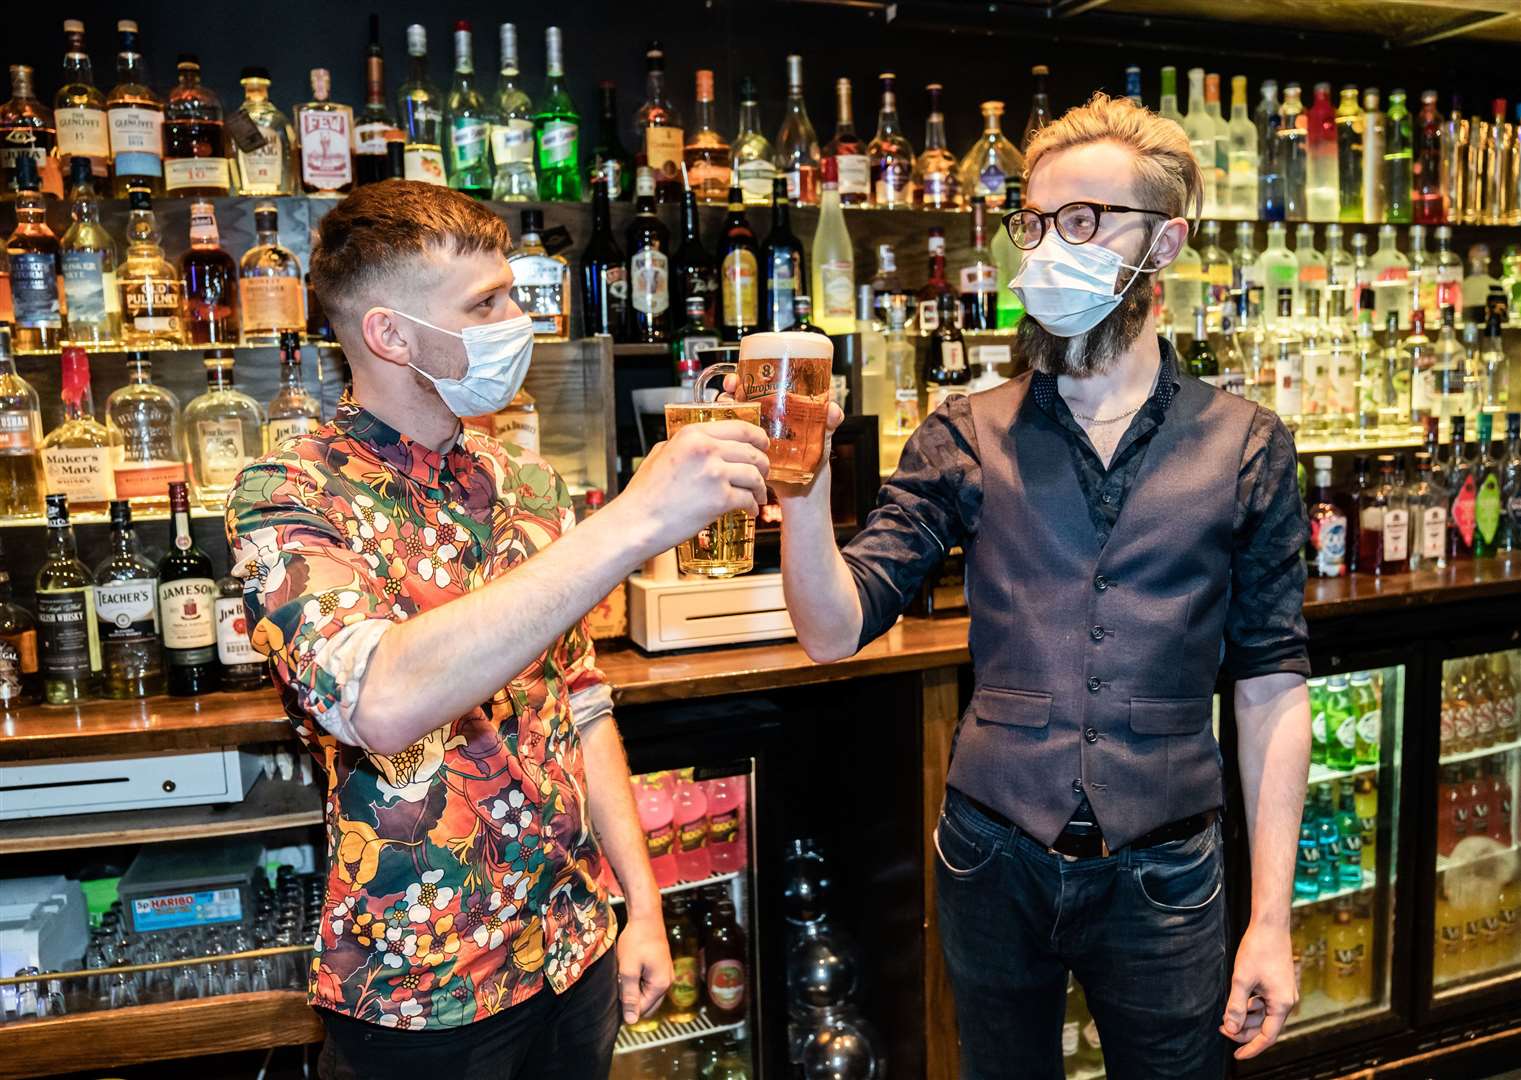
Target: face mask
[
  {"x": 1069, "y": 288},
  {"x": 497, "y": 356}
]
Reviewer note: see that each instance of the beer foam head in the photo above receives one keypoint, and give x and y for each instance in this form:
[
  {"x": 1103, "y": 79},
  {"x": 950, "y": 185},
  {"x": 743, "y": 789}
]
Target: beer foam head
[{"x": 786, "y": 344}]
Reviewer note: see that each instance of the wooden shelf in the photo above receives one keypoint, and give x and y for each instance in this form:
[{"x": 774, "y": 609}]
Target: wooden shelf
[
  {"x": 111, "y": 1039},
  {"x": 1363, "y": 594},
  {"x": 269, "y": 805},
  {"x": 629, "y": 350}
]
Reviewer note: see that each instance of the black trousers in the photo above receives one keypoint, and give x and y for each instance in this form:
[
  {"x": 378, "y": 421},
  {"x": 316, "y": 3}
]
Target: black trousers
[{"x": 548, "y": 1037}]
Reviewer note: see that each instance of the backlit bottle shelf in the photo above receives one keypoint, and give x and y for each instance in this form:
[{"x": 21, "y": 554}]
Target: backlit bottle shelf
[
  {"x": 1471, "y": 852},
  {"x": 668, "y": 1033},
  {"x": 1481, "y": 752},
  {"x": 116, "y": 348},
  {"x": 1321, "y": 774},
  {"x": 1351, "y": 444},
  {"x": 1370, "y": 879},
  {"x": 685, "y": 886},
  {"x": 138, "y": 517}
]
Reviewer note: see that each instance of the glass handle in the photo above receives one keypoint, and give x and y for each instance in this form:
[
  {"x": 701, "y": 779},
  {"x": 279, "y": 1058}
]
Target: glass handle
[{"x": 722, "y": 368}]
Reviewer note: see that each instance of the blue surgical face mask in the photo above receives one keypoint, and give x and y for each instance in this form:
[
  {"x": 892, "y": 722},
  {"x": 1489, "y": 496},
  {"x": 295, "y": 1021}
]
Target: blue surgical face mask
[
  {"x": 497, "y": 356},
  {"x": 1070, "y": 288}
]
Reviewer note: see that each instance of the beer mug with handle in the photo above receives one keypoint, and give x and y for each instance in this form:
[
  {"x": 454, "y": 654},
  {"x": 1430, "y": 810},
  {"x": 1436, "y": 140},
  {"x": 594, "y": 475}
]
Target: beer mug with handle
[
  {"x": 727, "y": 546},
  {"x": 788, "y": 375}
]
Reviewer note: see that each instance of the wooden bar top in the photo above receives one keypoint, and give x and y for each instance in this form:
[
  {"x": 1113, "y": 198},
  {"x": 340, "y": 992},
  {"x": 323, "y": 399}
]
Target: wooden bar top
[{"x": 638, "y": 678}]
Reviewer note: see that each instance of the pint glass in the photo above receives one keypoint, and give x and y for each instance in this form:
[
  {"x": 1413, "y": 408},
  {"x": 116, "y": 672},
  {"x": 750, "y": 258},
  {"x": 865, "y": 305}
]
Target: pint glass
[
  {"x": 788, "y": 375},
  {"x": 726, "y": 547}
]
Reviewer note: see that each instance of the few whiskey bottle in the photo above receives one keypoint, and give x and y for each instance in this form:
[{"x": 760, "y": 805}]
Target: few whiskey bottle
[
  {"x": 848, "y": 151},
  {"x": 32, "y": 250},
  {"x": 87, "y": 261},
  {"x": 79, "y": 109},
  {"x": 143, "y": 424},
  {"x": 242, "y": 667},
  {"x": 20, "y": 683},
  {"x": 66, "y": 613},
  {"x": 890, "y": 154},
  {"x": 421, "y": 109},
  {"x": 269, "y": 282},
  {"x": 658, "y": 125},
  {"x": 195, "y": 146},
  {"x": 126, "y": 607},
  {"x": 223, "y": 431},
  {"x": 326, "y": 133},
  {"x": 649, "y": 275},
  {"x": 26, "y": 131},
  {"x": 610, "y": 160},
  {"x": 269, "y": 169},
  {"x": 753, "y": 157},
  {"x": 21, "y": 484},
  {"x": 76, "y": 455},
  {"x": 937, "y": 182},
  {"x": 557, "y": 130},
  {"x": 707, "y": 153},
  {"x": 376, "y": 127},
  {"x": 541, "y": 282},
  {"x": 512, "y": 129},
  {"x": 293, "y": 410},
  {"x": 466, "y": 122},
  {"x": 187, "y": 606},
  {"x": 136, "y": 118},
  {"x": 209, "y": 298},
  {"x": 150, "y": 286}
]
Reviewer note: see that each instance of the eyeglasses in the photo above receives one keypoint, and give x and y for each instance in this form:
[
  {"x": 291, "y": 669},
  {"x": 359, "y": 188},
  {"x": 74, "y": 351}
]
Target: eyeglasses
[{"x": 1076, "y": 222}]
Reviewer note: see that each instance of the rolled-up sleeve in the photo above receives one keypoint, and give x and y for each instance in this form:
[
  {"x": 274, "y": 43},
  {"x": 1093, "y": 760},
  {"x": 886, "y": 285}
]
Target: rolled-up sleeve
[
  {"x": 929, "y": 506},
  {"x": 1265, "y": 629},
  {"x": 591, "y": 695}
]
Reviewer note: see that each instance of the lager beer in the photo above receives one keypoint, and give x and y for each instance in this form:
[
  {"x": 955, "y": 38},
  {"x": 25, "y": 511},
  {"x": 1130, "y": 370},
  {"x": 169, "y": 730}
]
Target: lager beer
[
  {"x": 788, "y": 375},
  {"x": 727, "y": 546}
]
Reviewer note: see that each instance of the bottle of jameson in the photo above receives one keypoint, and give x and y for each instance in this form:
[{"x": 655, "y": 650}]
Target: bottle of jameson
[{"x": 187, "y": 594}]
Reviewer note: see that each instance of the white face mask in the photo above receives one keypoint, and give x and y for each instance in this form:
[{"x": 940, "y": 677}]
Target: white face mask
[
  {"x": 497, "y": 356},
  {"x": 1069, "y": 288}
]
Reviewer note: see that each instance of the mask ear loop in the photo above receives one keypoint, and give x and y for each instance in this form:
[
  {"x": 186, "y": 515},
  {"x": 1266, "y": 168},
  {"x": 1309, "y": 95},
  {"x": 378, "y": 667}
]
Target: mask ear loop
[{"x": 1137, "y": 271}]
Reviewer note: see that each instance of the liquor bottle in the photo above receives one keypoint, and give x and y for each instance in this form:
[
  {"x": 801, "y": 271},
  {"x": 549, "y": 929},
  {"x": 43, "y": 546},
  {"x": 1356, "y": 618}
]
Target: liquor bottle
[
  {"x": 1420, "y": 358},
  {"x": 847, "y": 150},
  {"x": 1167, "y": 106},
  {"x": 1040, "y": 106},
  {"x": 876, "y": 387},
  {"x": 1422, "y": 277},
  {"x": 270, "y": 167},
  {"x": 890, "y": 154},
  {"x": 1494, "y": 367},
  {"x": 556, "y": 130},
  {"x": 886, "y": 283},
  {"x": 659, "y": 128},
  {"x": 223, "y": 431},
  {"x": 945, "y": 368},
  {"x": 209, "y": 299},
  {"x": 927, "y": 301},
  {"x": 834, "y": 266},
  {"x": 1322, "y": 177},
  {"x": 420, "y": 105},
  {"x": 1278, "y": 269},
  {"x": 1462, "y": 494},
  {"x": 1314, "y": 273},
  {"x": 87, "y": 262},
  {"x": 1398, "y": 160},
  {"x": 1488, "y": 504},
  {"x": 902, "y": 371},
  {"x": 1394, "y": 555},
  {"x": 1428, "y": 517},
  {"x": 1349, "y": 156},
  {"x": 242, "y": 668},
  {"x": 1391, "y": 278},
  {"x": 1448, "y": 272},
  {"x": 609, "y": 159},
  {"x": 797, "y": 147},
  {"x": 937, "y": 181},
  {"x": 694, "y": 271},
  {"x": 1448, "y": 370},
  {"x": 1477, "y": 284},
  {"x": 26, "y": 131},
  {"x": 1317, "y": 368},
  {"x": 604, "y": 275},
  {"x": 802, "y": 310},
  {"x": 541, "y": 281},
  {"x": 1293, "y": 153},
  {"x": 1375, "y": 177},
  {"x": 375, "y": 128},
  {"x": 979, "y": 277},
  {"x": 1200, "y": 129},
  {"x": 32, "y": 250},
  {"x": 136, "y": 117},
  {"x": 738, "y": 266},
  {"x": 269, "y": 281},
  {"x": 1341, "y": 392},
  {"x": 518, "y": 423},
  {"x": 781, "y": 261},
  {"x": 1214, "y": 278},
  {"x": 1246, "y": 281},
  {"x": 21, "y": 481},
  {"x": 1222, "y": 142},
  {"x": 1393, "y": 393},
  {"x": 195, "y": 147},
  {"x": 150, "y": 285},
  {"x": 1510, "y": 488},
  {"x": 1288, "y": 402},
  {"x": 649, "y": 265},
  {"x": 1241, "y": 136},
  {"x": 1357, "y": 501},
  {"x": 1270, "y": 179},
  {"x": 70, "y": 642},
  {"x": 143, "y": 423},
  {"x": 1427, "y": 204},
  {"x": 20, "y": 683},
  {"x": 466, "y": 122},
  {"x": 510, "y": 124},
  {"x": 986, "y": 167},
  {"x": 706, "y": 153},
  {"x": 1497, "y": 197},
  {"x": 126, "y": 609},
  {"x": 726, "y": 957},
  {"x": 294, "y": 410},
  {"x": 187, "y": 606},
  {"x": 1006, "y": 257},
  {"x": 1455, "y": 145},
  {"x": 79, "y": 109},
  {"x": 76, "y": 455},
  {"x": 1133, "y": 84},
  {"x": 696, "y": 335},
  {"x": 326, "y": 132},
  {"x": 753, "y": 156},
  {"x": 1327, "y": 555},
  {"x": 1201, "y": 360}
]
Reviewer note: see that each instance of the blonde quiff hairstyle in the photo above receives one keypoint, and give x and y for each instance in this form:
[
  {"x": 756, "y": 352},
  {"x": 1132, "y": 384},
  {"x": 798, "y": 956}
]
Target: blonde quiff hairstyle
[{"x": 1166, "y": 174}]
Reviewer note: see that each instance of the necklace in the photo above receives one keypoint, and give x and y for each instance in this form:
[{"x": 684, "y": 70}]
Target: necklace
[{"x": 1110, "y": 419}]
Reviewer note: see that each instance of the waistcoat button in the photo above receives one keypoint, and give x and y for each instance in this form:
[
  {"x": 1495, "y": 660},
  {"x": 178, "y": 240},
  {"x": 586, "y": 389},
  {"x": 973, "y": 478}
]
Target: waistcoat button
[
  {"x": 1097, "y": 633},
  {"x": 1091, "y": 735},
  {"x": 1094, "y": 682},
  {"x": 1101, "y": 583},
  {"x": 1077, "y": 786}
]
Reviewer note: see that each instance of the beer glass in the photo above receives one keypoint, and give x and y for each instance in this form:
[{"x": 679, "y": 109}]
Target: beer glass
[
  {"x": 727, "y": 546},
  {"x": 788, "y": 375}
]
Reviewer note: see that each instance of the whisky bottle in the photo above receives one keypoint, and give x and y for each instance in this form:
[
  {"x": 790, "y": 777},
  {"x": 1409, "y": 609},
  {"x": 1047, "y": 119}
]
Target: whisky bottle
[
  {"x": 20, "y": 437},
  {"x": 557, "y": 130},
  {"x": 79, "y": 109},
  {"x": 87, "y": 261},
  {"x": 753, "y": 157},
  {"x": 293, "y": 410},
  {"x": 649, "y": 266},
  {"x": 422, "y": 113},
  {"x": 26, "y": 131},
  {"x": 20, "y": 683},
  {"x": 209, "y": 299},
  {"x": 465, "y": 122},
  {"x": 66, "y": 613},
  {"x": 143, "y": 423},
  {"x": 150, "y": 286},
  {"x": 187, "y": 606},
  {"x": 195, "y": 146},
  {"x": 242, "y": 667},
  {"x": 738, "y": 280},
  {"x": 136, "y": 118},
  {"x": 269, "y": 281},
  {"x": 658, "y": 125},
  {"x": 268, "y": 169},
  {"x": 326, "y": 133},
  {"x": 32, "y": 251},
  {"x": 518, "y": 423},
  {"x": 223, "y": 431},
  {"x": 541, "y": 282},
  {"x": 511, "y": 127},
  {"x": 126, "y": 607},
  {"x": 707, "y": 153},
  {"x": 76, "y": 455},
  {"x": 376, "y": 128}
]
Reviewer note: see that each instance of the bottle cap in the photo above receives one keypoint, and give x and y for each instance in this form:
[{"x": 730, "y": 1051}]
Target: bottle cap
[
  {"x": 704, "y": 85},
  {"x": 462, "y": 24},
  {"x": 75, "y": 372},
  {"x": 57, "y": 511},
  {"x": 73, "y": 26},
  {"x": 322, "y": 83},
  {"x": 533, "y": 221},
  {"x": 79, "y": 171},
  {"x": 179, "y": 497},
  {"x": 417, "y": 40},
  {"x": 126, "y": 26},
  {"x": 121, "y": 512},
  {"x": 255, "y": 73},
  {"x": 747, "y": 91},
  {"x": 1322, "y": 462},
  {"x": 654, "y": 56}
]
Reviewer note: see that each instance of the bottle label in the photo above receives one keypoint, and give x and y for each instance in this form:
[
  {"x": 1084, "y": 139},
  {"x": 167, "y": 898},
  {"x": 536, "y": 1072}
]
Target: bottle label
[
  {"x": 149, "y": 480},
  {"x": 1328, "y": 539},
  {"x": 726, "y": 984},
  {"x": 468, "y": 137},
  {"x": 905, "y": 410},
  {"x": 692, "y": 836},
  {"x": 17, "y": 435},
  {"x": 84, "y": 287},
  {"x": 18, "y": 659},
  {"x": 990, "y": 183},
  {"x": 892, "y": 186},
  {"x": 288, "y": 427},
  {"x": 233, "y": 646},
  {"x": 557, "y": 143},
  {"x": 137, "y": 141},
  {"x": 223, "y": 454},
  {"x": 371, "y": 138},
  {"x": 34, "y": 290},
  {"x": 152, "y": 305},
  {"x": 82, "y": 132},
  {"x": 187, "y": 613},
  {"x": 1069, "y": 1039},
  {"x": 837, "y": 283},
  {"x": 1433, "y": 532},
  {"x": 126, "y": 611},
  {"x": 326, "y": 135},
  {"x": 1463, "y": 510},
  {"x": 929, "y": 316},
  {"x": 1486, "y": 515},
  {"x": 723, "y": 828},
  {"x": 685, "y": 982},
  {"x": 518, "y": 427},
  {"x": 755, "y": 179},
  {"x": 1369, "y": 725},
  {"x": 741, "y": 300},
  {"x": 66, "y": 621},
  {"x": 1396, "y": 535},
  {"x": 271, "y": 303},
  {"x": 979, "y": 278},
  {"x": 781, "y": 289},
  {"x": 660, "y": 841},
  {"x": 855, "y": 175},
  {"x": 650, "y": 281},
  {"x": 424, "y": 164},
  {"x": 82, "y": 473},
  {"x": 512, "y": 142},
  {"x": 1290, "y": 381},
  {"x": 952, "y": 356},
  {"x": 1318, "y": 727},
  {"x": 262, "y": 171},
  {"x": 1462, "y": 721},
  {"x": 662, "y": 151},
  {"x": 196, "y": 172}
]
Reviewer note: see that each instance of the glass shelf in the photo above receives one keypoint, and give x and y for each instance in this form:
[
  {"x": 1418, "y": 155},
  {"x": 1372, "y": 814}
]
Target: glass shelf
[
  {"x": 667, "y": 1033},
  {"x": 1370, "y": 879},
  {"x": 1483, "y": 752},
  {"x": 138, "y": 517},
  {"x": 1346, "y": 444},
  {"x": 684, "y": 886},
  {"x": 115, "y": 348},
  {"x": 1320, "y": 774}
]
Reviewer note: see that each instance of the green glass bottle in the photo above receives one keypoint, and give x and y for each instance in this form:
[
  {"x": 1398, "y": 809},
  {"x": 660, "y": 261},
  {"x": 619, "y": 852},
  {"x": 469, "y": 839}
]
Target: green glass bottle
[
  {"x": 1370, "y": 718},
  {"x": 1318, "y": 721},
  {"x": 467, "y": 122},
  {"x": 1341, "y": 726},
  {"x": 66, "y": 613},
  {"x": 557, "y": 131},
  {"x": 1487, "y": 502},
  {"x": 1398, "y": 143},
  {"x": 1007, "y": 257},
  {"x": 1350, "y": 831},
  {"x": 1202, "y": 363}
]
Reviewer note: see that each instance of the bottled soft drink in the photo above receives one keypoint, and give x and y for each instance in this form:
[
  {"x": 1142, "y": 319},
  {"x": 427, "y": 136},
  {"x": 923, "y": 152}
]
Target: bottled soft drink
[
  {"x": 726, "y": 826},
  {"x": 1341, "y": 725},
  {"x": 1350, "y": 872},
  {"x": 1447, "y": 723},
  {"x": 1452, "y": 811},
  {"x": 1329, "y": 838},
  {"x": 1345, "y": 956},
  {"x": 1318, "y": 721},
  {"x": 1447, "y": 947},
  {"x": 684, "y": 997},
  {"x": 1366, "y": 707},
  {"x": 1365, "y": 800},
  {"x": 1475, "y": 789},
  {"x": 727, "y": 962},
  {"x": 1316, "y": 920},
  {"x": 1307, "y": 865},
  {"x": 1507, "y": 701},
  {"x": 656, "y": 814},
  {"x": 690, "y": 817},
  {"x": 1502, "y": 799},
  {"x": 1483, "y": 705},
  {"x": 1508, "y": 907},
  {"x": 1462, "y": 710}
]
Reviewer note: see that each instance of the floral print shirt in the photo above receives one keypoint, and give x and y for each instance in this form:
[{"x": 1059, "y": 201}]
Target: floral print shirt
[{"x": 462, "y": 871}]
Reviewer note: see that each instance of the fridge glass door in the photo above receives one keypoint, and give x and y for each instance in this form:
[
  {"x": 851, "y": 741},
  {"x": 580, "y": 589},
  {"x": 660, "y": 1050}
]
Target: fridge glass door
[{"x": 1477, "y": 939}]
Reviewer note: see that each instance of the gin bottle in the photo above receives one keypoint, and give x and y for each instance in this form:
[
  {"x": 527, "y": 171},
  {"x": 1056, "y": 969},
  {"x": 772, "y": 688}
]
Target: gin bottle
[
  {"x": 1428, "y": 517},
  {"x": 76, "y": 455},
  {"x": 465, "y": 121},
  {"x": 420, "y": 106},
  {"x": 126, "y": 607},
  {"x": 1288, "y": 363},
  {"x": 143, "y": 426},
  {"x": 1375, "y": 186},
  {"x": 293, "y": 410},
  {"x": 1201, "y": 140},
  {"x": 87, "y": 262},
  {"x": 1391, "y": 277},
  {"x": 1293, "y": 153},
  {"x": 1323, "y": 181},
  {"x": 512, "y": 129},
  {"x": 1242, "y": 139},
  {"x": 556, "y": 130},
  {"x": 66, "y": 613},
  {"x": 1279, "y": 271},
  {"x": 1270, "y": 182},
  {"x": 223, "y": 431}
]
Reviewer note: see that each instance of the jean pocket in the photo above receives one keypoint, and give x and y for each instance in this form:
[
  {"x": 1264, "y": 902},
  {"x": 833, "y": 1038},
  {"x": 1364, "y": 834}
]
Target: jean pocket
[
  {"x": 1185, "y": 879},
  {"x": 964, "y": 851}
]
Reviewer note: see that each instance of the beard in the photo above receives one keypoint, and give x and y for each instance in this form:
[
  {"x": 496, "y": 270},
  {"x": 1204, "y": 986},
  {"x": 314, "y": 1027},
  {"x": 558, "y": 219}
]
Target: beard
[{"x": 1094, "y": 351}]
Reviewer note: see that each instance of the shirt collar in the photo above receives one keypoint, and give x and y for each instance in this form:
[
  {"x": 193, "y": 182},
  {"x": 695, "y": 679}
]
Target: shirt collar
[
  {"x": 1044, "y": 389},
  {"x": 402, "y": 453}
]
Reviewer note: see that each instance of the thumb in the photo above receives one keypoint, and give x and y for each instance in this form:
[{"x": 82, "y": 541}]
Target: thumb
[
  {"x": 1236, "y": 1005},
  {"x": 628, "y": 991}
]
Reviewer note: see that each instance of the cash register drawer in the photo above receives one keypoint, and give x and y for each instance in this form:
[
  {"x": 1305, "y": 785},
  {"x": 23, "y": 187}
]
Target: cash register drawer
[
  {"x": 93, "y": 785},
  {"x": 690, "y": 612}
]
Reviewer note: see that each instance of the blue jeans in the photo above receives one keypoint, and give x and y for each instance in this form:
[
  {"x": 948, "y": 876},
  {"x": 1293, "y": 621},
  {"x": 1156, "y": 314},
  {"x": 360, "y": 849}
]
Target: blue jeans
[{"x": 1143, "y": 931}]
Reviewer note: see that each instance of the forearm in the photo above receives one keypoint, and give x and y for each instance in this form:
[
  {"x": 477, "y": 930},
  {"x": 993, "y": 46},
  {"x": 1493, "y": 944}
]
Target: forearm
[
  {"x": 615, "y": 819},
  {"x": 820, "y": 591},
  {"x": 1273, "y": 735}
]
